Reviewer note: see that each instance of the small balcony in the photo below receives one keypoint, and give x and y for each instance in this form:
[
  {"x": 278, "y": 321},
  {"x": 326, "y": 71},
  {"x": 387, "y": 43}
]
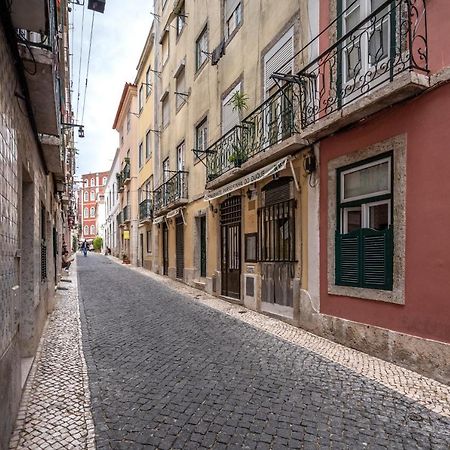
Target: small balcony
[
  {"x": 119, "y": 219},
  {"x": 126, "y": 173},
  {"x": 146, "y": 211},
  {"x": 126, "y": 214},
  {"x": 267, "y": 133},
  {"x": 120, "y": 182},
  {"x": 172, "y": 193},
  {"x": 379, "y": 62}
]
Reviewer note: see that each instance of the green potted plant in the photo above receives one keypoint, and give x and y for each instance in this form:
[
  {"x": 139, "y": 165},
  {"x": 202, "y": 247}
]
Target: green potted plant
[{"x": 239, "y": 149}]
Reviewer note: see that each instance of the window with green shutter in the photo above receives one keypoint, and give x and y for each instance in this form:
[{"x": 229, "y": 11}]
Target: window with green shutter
[{"x": 364, "y": 233}]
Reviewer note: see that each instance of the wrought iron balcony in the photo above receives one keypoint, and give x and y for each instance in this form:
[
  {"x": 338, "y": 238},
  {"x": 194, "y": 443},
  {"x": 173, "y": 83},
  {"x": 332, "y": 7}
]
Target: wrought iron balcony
[
  {"x": 146, "y": 210},
  {"x": 120, "y": 181},
  {"x": 126, "y": 213},
  {"x": 389, "y": 42},
  {"x": 126, "y": 173},
  {"x": 275, "y": 120},
  {"x": 172, "y": 193}
]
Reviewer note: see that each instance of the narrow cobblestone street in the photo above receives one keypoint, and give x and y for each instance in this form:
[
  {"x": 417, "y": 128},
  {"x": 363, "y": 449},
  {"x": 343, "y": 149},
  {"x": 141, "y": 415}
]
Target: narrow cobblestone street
[
  {"x": 171, "y": 367},
  {"x": 168, "y": 372}
]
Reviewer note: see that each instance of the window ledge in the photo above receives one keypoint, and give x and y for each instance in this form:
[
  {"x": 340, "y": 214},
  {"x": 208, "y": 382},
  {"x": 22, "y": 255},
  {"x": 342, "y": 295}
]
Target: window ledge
[{"x": 368, "y": 294}]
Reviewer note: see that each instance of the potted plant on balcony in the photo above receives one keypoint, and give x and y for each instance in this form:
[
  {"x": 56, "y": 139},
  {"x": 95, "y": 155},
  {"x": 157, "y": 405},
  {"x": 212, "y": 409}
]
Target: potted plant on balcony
[{"x": 240, "y": 148}]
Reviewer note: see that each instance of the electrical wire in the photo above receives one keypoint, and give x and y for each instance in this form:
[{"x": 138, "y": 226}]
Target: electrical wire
[
  {"x": 87, "y": 67},
  {"x": 81, "y": 58}
]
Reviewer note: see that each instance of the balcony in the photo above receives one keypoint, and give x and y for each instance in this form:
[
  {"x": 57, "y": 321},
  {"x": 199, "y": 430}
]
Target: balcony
[
  {"x": 126, "y": 173},
  {"x": 146, "y": 211},
  {"x": 267, "y": 133},
  {"x": 379, "y": 62},
  {"x": 126, "y": 214},
  {"x": 172, "y": 193},
  {"x": 120, "y": 182},
  {"x": 119, "y": 219}
]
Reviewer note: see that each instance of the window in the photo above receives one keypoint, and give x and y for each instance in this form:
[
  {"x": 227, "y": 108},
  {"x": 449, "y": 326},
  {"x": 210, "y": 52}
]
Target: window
[
  {"x": 148, "y": 82},
  {"x": 278, "y": 58},
  {"x": 85, "y": 183},
  {"x": 86, "y": 196},
  {"x": 148, "y": 150},
  {"x": 165, "y": 111},
  {"x": 149, "y": 241},
  {"x": 201, "y": 49},
  {"x": 201, "y": 136},
  {"x": 92, "y": 211},
  {"x": 128, "y": 122},
  {"x": 369, "y": 45},
  {"x": 86, "y": 212},
  {"x": 233, "y": 16},
  {"x": 92, "y": 230},
  {"x": 230, "y": 116},
  {"x": 92, "y": 196},
  {"x": 141, "y": 97},
  {"x": 86, "y": 230},
  {"x": 149, "y": 188},
  {"x": 276, "y": 222},
  {"x": 181, "y": 18},
  {"x": 165, "y": 48},
  {"x": 180, "y": 89},
  {"x": 105, "y": 179},
  {"x": 364, "y": 237},
  {"x": 141, "y": 155},
  {"x": 92, "y": 181}
]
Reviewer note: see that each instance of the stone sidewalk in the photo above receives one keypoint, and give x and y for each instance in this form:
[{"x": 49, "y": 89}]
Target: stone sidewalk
[
  {"x": 55, "y": 409},
  {"x": 55, "y": 412}
]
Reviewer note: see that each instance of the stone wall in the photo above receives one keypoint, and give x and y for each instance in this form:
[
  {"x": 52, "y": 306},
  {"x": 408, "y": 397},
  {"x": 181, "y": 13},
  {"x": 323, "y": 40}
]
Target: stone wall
[{"x": 25, "y": 189}]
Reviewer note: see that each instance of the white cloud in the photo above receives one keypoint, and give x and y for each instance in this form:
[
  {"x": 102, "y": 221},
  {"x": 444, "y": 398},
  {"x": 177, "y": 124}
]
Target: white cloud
[{"x": 118, "y": 38}]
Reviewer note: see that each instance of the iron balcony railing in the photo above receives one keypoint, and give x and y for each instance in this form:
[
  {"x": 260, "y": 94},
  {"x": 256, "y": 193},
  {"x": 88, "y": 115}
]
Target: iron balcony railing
[
  {"x": 390, "y": 41},
  {"x": 119, "y": 218},
  {"x": 146, "y": 210},
  {"x": 126, "y": 213},
  {"x": 275, "y": 120},
  {"x": 126, "y": 172},
  {"x": 172, "y": 192}
]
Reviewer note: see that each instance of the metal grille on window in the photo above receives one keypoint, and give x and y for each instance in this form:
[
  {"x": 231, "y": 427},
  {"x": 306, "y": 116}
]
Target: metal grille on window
[{"x": 276, "y": 223}]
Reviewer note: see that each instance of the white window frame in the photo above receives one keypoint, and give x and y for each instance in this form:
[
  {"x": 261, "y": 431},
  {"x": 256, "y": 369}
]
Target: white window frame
[
  {"x": 201, "y": 49},
  {"x": 92, "y": 212},
  {"x": 86, "y": 196},
  {"x": 92, "y": 196},
  {"x": 201, "y": 131},
  {"x": 365, "y": 166},
  {"x": 92, "y": 228},
  {"x": 235, "y": 15},
  {"x": 365, "y": 214}
]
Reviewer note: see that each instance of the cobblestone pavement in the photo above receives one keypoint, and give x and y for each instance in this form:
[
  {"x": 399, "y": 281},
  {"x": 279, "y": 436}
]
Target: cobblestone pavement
[
  {"x": 55, "y": 408},
  {"x": 166, "y": 371}
]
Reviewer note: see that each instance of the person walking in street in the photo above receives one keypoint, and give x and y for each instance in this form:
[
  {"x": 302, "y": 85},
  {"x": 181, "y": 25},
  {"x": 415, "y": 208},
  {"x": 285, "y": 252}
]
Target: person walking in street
[{"x": 84, "y": 248}]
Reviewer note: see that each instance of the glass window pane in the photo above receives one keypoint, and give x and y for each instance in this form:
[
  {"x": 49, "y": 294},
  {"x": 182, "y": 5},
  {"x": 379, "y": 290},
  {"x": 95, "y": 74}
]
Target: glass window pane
[
  {"x": 352, "y": 220},
  {"x": 370, "y": 180},
  {"x": 379, "y": 216}
]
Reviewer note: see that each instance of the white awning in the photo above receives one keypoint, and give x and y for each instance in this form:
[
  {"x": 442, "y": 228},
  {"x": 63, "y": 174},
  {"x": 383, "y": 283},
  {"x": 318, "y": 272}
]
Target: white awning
[
  {"x": 160, "y": 219},
  {"x": 175, "y": 212},
  {"x": 253, "y": 177}
]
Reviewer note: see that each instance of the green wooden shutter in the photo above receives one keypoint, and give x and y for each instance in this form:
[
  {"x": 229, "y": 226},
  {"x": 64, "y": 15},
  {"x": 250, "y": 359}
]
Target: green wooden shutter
[
  {"x": 364, "y": 258},
  {"x": 348, "y": 259},
  {"x": 377, "y": 251}
]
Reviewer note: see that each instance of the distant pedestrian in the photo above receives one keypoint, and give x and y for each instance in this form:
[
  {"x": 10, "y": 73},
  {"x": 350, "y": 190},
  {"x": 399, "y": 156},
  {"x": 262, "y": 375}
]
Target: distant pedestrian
[{"x": 84, "y": 247}]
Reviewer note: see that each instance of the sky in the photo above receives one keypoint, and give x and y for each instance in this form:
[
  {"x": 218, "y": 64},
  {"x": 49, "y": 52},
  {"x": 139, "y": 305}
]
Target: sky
[{"x": 118, "y": 38}]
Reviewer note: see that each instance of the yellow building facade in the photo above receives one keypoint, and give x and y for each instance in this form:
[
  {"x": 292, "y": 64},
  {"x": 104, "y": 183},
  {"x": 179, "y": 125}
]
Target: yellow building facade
[
  {"x": 126, "y": 124},
  {"x": 229, "y": 198}
]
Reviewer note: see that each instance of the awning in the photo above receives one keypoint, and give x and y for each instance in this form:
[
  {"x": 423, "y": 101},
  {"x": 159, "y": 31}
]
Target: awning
[
  {"x": 175, "y": 212},
  {"x": 160, "y": 219},
  {"x": 253, "y": 177}
]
